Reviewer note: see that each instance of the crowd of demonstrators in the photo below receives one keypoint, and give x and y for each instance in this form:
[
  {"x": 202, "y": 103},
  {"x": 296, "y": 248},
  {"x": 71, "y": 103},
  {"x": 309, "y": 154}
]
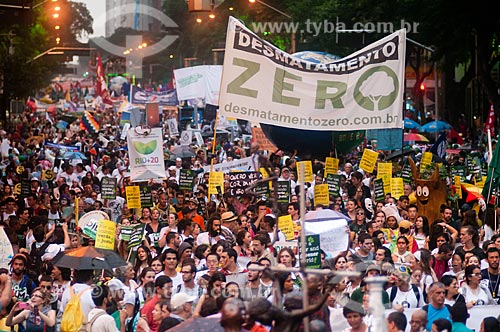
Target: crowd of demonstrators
[{"x": 202, "y": 255}]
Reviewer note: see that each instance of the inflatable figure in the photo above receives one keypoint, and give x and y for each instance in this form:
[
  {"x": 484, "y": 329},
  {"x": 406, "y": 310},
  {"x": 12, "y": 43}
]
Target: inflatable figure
[{"x": 431, "y": 193}]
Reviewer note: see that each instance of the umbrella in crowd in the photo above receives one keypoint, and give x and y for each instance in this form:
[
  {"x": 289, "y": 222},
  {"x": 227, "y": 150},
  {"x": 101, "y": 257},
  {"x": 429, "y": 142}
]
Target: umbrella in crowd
[
  {"x": 435, "y": 127},
  {"x": 405, "y": 151},
  {"x": 414, "y": 137},
  {"x": 410, "y": 124},
  {"x": 74, "y": 155},
  {"x": 199, "y": 324},
  {"x": 183, "y": 151},
  {"x": 88, "y": 258}
]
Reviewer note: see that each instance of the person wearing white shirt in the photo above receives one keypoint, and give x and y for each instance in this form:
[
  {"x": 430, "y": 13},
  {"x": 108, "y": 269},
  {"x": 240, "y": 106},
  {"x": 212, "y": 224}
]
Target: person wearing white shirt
[{"x": 98, "y": 319}]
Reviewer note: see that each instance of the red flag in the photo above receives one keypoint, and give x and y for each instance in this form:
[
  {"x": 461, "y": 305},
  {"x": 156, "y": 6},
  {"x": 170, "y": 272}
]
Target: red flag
[
  {"x": 490, "y": 122},
  {"x": 171, "y": 83},
  {"x": 101, "y": 88}
]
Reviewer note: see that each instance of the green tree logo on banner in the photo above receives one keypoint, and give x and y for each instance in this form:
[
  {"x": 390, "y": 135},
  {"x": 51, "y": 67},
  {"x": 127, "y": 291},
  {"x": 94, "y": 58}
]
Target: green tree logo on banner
[{"x": 377, "y": 88}]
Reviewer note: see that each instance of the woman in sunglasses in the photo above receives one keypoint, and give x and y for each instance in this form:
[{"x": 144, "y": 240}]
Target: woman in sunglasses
[
  {"x": 36, "y": 315},
  {"x": 474, "y": 292}
]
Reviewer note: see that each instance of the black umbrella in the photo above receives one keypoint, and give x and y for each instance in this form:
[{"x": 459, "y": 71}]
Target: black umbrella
[
  {"x": 183, "y": 151},
  {"x": 400, "y": 153},
  {"x": 199, "y": 324},
  {"x": 88, "y": 258}
]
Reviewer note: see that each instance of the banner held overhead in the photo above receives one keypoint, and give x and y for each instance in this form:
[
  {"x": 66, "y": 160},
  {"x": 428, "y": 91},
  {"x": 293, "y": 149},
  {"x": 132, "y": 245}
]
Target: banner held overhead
[{"x": 263, "y": 84}]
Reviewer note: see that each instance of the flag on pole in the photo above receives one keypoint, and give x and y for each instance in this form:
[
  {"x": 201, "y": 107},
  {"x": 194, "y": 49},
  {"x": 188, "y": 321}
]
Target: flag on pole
[
  {"x": 101, "y": 88},
  {"x": 439, "y": 148},
  {"x": 89, "y": 123},
  {"x": 490, "y": 121},
  {"x": 493, "y": 178}
]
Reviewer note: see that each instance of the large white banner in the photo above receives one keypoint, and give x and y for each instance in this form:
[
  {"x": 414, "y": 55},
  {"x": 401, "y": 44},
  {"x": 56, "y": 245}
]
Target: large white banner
[
  {"x": 198, "y": 82},
  {"x": 263, "y": 84},
  {"x": 145, "y": 150},
  {"x": 243, "y": 164},
  {"x": 331, "y": 227}
]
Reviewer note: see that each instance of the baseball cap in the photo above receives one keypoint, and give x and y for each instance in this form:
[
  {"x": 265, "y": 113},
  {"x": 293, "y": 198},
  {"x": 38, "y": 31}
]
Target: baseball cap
[
  {"x": 171, "y": 168},
  {"x": 405, "y": 224},
  {"x": 89, "y": 200},
  {"x": 179, "y": 299},
  {"x": 402, "y": 271},
  {"x": 373, "y": 267}
]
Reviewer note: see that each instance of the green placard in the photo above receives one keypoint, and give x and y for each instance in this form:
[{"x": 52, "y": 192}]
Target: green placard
[
  {"x": 333, "y": 181},
  {"x": 283, "y": 191},
  {"x": 146, "y": 195},
  {"x": 186, "y": 179},
  {"x": 262, "y": 189},
  {"x": 125, "y": 232},
  {"x": 108, "y": 188},
  {"x": 313, "y": 251},
  {"x": 406, "y": 173},
  {"x": 378, "y": 190},
  {"x": 25, "y": 187},
  {"x": 460, "y": 171},
  {"x": 136, "y": 236}
]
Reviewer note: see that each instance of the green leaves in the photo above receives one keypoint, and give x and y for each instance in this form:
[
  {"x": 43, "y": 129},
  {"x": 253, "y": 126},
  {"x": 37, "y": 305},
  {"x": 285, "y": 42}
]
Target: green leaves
[{"x": 145, "y": 148}]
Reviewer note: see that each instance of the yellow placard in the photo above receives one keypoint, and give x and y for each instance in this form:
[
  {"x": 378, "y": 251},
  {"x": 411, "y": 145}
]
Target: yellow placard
[
  {"x": 105, "y": 235},
  {"x": 426, "y": 159},
  {"x": 384, "y": 172},
  {"x": 368, "y": 160},
  {"x": 321, "y": 195},
  {"x": 286, "y": 226},
  {"x": 383, "y": 169},
  {"x": 20, "y": 170},
  {"x": 215, "y": 180},
  {"x": 331, "y": 166},
  {"x": 397, "y": 187},
  {"x": 133, "y": 197},
  {"x": 458, "y": 186},
  {"x": 47, "y": 174},
  {"x": 308, "y": 171},
  {"x": 265, "y": 175}
]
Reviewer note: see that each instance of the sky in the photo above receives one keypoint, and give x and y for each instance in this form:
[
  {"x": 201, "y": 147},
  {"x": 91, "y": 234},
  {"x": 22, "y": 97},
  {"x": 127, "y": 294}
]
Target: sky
[{"x": 97, "y": 9}]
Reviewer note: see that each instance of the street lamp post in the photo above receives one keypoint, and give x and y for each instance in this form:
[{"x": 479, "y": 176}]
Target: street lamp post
[{"x": 293, "y": 43}]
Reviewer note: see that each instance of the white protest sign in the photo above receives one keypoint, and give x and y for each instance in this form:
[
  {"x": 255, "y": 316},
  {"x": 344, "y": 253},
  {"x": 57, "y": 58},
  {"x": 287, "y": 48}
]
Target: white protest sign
[
  {"x": 331, "y": 227},
  {"x": 186, "y": 137},
  {"x": 243, "y": 164},
  {"x": 145, "y": 150},
  {"x": 172, "y": 127},
  {"x": 263, "y": 84}
]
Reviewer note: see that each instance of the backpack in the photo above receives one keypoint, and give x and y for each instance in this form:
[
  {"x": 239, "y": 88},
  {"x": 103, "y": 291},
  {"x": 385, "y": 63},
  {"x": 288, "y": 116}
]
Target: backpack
[
  {"x": 73, "y": 319},
  {"x": 394, "y": 291},
  {"x": 92, "y": 321},
  {"x": 36, "y": 257}
]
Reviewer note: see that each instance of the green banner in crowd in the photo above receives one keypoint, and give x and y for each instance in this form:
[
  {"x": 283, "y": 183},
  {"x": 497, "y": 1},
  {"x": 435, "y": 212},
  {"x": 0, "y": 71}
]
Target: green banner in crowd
[
  {"x": 146, "y": 195},
  {"x": 186, "y": 179},
  {"x": 344, "y": 142},
  {"x": 283, "y": 191},
  {"x": 378, "y": 185},
  {"x": 125, "y": 232},
  {"x": 136, "y": 236},
  {"x": 313, "y": 251},
  {"x": 333, "y": 181},
  {"x": 108, "y": 188}
]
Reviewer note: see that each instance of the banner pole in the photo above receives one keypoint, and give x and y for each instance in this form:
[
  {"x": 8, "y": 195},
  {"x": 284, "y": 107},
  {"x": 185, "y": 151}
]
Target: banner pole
[
  {"x": 490, "y": 151},
  {"x": 305, "y": 294}
]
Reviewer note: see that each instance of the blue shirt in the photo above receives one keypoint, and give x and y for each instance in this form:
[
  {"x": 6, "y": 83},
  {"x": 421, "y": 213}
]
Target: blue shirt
[{"x": 433, "y": 314}]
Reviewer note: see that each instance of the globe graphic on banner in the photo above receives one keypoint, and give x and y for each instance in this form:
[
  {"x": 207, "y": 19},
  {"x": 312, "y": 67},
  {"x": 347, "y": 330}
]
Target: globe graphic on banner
[
  {"x": 318, "y": 143},
  {"x": 316, "y": 57}
]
